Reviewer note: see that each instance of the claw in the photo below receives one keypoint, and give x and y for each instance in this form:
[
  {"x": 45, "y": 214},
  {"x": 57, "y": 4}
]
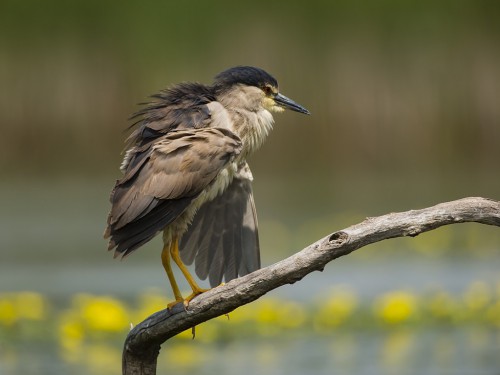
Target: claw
[
  {"x": 196, "y": 292},
  {"x": 176, "y": 302}
]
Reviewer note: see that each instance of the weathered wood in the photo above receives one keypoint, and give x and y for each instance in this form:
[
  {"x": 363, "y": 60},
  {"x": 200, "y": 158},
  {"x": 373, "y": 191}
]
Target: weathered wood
[{"x": 143, "y": 342}]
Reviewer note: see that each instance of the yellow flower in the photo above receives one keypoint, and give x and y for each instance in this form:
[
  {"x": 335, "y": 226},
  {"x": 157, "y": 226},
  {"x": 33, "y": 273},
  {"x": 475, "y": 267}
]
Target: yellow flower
[
  {"x": 396, "y": 307},
  {"x": 267, "y": 311},
  {"x": 71, "y": 328},
  {"x": 70, "y": 334},
  {"x": 22, "y": 305},
  {"x": 103, "y": 313},
  {"x": 336, "y": 308},
  {"x": 272, "y": 314},
  {"x": 8, "y": 313}
]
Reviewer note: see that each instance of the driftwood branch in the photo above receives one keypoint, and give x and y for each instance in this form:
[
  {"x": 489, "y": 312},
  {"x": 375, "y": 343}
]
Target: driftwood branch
[{"x": 143, "y": 342}]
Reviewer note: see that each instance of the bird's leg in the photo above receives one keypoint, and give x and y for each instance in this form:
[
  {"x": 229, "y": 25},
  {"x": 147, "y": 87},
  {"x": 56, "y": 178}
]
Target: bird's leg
[
  {"x": 174, "y": 251},
  {"x": 165, "y": 260}
]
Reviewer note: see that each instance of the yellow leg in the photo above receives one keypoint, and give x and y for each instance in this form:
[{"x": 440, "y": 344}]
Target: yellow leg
[
  {"x": 174, "y": 252},
  {"x": 165, "y": 260}
]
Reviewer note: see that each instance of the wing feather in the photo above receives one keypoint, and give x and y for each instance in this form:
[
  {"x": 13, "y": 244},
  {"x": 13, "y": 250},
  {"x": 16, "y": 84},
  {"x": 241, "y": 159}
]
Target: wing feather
[
  {"x": 153, "y": 193},
  {"x": 223, "y": 239}
]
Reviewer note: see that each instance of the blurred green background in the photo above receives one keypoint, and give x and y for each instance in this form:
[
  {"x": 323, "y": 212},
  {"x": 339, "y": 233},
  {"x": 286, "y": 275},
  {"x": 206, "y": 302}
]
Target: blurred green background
[{"x": 405, "y": 102}]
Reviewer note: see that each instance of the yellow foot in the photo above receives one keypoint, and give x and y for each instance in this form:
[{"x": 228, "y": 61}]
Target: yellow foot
[
  {"x": 173, "y": 303},
  {"x": 196, "y": 292}
]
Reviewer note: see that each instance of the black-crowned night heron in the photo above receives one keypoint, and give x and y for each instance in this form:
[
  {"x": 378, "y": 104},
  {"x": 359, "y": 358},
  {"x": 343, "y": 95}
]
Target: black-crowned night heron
[{"x": 185, "y": 173}]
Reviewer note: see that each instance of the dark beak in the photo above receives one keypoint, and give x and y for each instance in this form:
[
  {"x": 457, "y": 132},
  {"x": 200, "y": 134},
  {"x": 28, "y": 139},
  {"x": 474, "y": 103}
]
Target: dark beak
[{"x": 287, "y": 103}]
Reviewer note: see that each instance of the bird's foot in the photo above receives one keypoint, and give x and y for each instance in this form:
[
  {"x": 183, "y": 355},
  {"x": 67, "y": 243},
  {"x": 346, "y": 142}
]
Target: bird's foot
[
  {"x": 196, "y": 292},
  {"x": 176, "y": 302}
]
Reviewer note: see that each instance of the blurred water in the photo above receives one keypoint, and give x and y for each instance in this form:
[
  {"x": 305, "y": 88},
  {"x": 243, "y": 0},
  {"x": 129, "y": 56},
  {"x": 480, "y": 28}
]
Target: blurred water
[
  {"x": 50, "y": 242},
  {"x": 465, "y": 351},
  {"x": 400, "y": 352},
  {"x": 368, "y": 278}
]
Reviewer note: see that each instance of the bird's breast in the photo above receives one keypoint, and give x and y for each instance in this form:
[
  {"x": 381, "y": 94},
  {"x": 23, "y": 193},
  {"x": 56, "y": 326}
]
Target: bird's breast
[
  {"x": 219, "y": 184},
  {"x": 252, "y": 128}
]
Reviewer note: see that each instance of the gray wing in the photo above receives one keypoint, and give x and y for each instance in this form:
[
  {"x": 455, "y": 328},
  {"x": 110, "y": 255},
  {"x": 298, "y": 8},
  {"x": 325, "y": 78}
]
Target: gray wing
[
  {"x": 223, "y": 239},
  {"x": 162, "y": 182},
  {"x": 184, "y": 106}
]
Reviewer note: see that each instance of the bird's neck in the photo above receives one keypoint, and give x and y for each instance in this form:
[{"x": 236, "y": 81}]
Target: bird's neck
[
  {"x": 247, "y": 117},
  {"x": 252, "y": 127}
]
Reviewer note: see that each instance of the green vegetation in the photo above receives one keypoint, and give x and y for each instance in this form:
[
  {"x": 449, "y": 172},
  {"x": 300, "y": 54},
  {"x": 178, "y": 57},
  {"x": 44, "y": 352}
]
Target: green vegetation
[
  {"x": 412, "y": 79},
  {"x": 31, "y": 316},
  {"x": 87, "y": 330}
]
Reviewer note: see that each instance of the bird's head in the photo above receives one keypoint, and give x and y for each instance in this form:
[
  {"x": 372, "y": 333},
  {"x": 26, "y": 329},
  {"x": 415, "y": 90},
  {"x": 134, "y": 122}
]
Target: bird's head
[{"x": 253, "y": 88}]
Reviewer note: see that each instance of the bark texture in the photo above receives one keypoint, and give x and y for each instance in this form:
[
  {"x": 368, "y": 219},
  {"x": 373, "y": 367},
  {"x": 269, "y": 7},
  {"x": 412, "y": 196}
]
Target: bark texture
[{"x": 143, "y": 342}]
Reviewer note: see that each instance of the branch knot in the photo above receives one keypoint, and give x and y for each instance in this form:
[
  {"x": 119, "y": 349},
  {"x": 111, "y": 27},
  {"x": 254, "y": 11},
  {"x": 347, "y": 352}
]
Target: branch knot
[{"x": 337, "y": 239}]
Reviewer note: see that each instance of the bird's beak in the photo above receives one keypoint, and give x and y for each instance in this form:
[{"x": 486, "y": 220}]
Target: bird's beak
[{"x": 288, "y": 103}]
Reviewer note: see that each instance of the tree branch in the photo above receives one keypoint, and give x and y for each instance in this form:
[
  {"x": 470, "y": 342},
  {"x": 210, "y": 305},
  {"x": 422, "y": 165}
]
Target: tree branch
[{"x": 143, "y": 342}]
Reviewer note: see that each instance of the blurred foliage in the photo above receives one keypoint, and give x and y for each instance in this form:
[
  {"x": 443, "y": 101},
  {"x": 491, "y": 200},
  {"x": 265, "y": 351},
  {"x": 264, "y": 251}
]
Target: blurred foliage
[
  {"x": 25, "y": 315},
  {"x": 87, "y": 330},
  {"x": 396, "y": 84}
]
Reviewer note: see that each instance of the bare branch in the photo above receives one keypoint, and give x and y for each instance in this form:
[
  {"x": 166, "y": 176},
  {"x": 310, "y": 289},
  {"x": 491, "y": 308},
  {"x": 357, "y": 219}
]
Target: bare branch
[{"x": 143, "y": 342}]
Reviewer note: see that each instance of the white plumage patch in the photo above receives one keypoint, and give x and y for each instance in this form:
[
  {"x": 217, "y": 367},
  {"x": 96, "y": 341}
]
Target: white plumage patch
[
  {"x": 259, "y": 130},
  {"x": 126, "y": 159}
]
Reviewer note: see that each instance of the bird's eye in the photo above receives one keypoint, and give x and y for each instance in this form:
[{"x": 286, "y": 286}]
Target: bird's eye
[{"x": 268, "y": 90}]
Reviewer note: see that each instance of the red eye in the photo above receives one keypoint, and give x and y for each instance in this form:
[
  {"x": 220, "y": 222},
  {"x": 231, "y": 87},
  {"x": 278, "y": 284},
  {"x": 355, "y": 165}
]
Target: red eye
[{"x": 268, "y": 90}]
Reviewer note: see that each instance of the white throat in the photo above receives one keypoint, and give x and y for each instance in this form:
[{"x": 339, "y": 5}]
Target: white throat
[{"x": 261, "y": 125}]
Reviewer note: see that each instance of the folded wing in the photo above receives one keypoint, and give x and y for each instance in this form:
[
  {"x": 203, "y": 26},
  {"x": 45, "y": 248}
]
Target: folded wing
[{"x": 162, "y": 180}]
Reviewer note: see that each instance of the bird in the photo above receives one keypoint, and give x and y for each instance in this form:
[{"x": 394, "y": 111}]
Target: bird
[{"x": 185, "y": 174}]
